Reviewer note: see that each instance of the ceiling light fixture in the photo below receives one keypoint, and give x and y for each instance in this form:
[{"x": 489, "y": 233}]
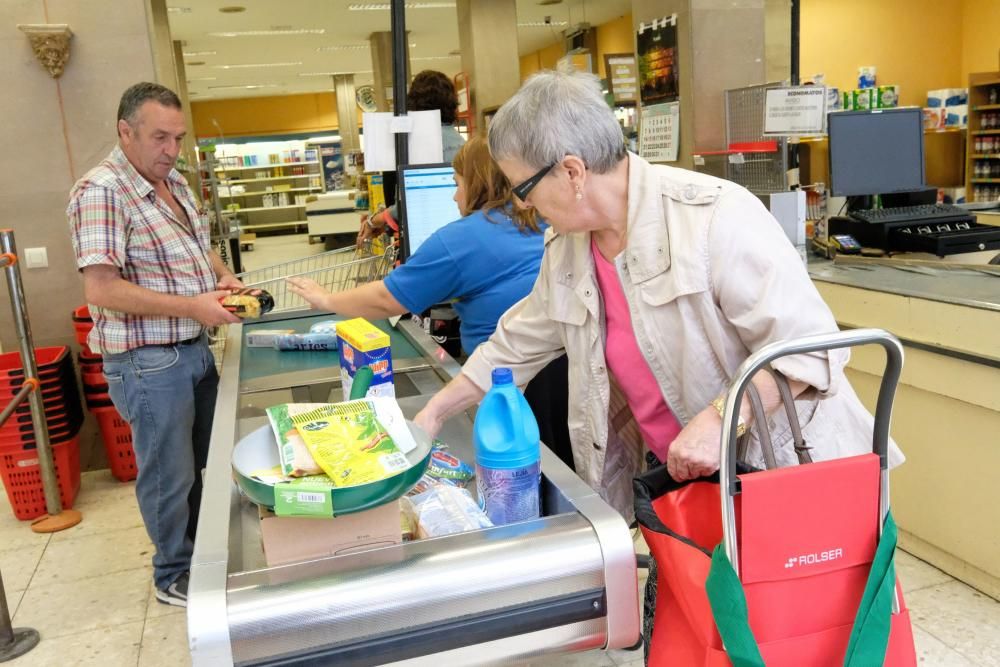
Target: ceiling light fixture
[
  {"x": 344, "y": 47},
  {"x": 195, "y": 63},
  {"x": 448, "y": 57},
  {"x": 254, "y": 65},
  {"x": 232, "y": 9},
  {"x": 252, "y": 86},
  {"x": 201, "y": 78},
  {"x": 542, "y": 24},
  {"x": 195, "y": 54},
  {"x": 331, "y": 73},
  {"x": 179, "y": 10},
  {"x": 269, "y": 33},
  {"x": 381, "y": 6}
]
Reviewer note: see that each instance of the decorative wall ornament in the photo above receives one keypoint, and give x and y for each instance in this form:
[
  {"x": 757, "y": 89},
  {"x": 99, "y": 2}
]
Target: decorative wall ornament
[{"x": 50, "y": 42}]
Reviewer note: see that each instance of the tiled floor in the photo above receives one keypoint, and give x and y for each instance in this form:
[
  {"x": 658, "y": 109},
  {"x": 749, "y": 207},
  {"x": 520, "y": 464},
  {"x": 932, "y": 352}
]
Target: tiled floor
[{"x": 88, "y": 591}]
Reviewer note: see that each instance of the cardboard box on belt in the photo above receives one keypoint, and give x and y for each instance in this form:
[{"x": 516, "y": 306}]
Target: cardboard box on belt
[{"x": 297, "y": 539}]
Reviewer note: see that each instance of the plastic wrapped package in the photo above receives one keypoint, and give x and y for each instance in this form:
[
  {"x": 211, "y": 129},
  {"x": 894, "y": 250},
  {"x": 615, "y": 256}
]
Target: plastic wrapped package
[{"x": 444, "y": 509}]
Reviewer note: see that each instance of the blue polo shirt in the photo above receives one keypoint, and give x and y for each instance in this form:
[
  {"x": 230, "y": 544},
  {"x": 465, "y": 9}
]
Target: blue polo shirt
[{"x": 485, "y": 265}]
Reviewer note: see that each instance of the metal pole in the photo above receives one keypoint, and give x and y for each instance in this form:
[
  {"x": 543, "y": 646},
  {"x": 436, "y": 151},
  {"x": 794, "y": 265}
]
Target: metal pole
[
  {"x": 793, "y": 153},
  {"x": 400, "y": 77},
  {"x": 29, "y": 385},
  {"x": 53, "y": 504}
]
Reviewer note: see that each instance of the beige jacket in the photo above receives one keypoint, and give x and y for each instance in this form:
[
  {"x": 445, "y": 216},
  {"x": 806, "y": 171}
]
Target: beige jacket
[{"x": 709, "y": 278}]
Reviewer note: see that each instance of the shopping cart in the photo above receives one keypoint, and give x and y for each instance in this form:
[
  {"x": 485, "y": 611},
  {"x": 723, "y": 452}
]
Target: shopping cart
[
  {"x": 802, "y": 571},
  {"x": 335, "y": 271}
]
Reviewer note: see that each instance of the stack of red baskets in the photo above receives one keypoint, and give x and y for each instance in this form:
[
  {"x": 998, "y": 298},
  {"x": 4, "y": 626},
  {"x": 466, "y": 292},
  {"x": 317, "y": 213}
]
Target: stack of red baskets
[
  {"x": 19, "y": 466},
  {"x": 115, "y": 431}
]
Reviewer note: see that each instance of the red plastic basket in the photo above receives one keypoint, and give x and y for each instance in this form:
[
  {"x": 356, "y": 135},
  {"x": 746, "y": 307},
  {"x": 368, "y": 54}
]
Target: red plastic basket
[
  {"x": 47, "y": 358},
  {"x": 22, "y": 478},
  {"x": 117, "y": 436},
  {"x": 82, "y": 324}
]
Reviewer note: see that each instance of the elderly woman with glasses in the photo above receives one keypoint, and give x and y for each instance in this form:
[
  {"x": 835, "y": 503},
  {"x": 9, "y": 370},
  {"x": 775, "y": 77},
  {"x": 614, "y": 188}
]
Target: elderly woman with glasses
[{"x": 658, "y": 283}]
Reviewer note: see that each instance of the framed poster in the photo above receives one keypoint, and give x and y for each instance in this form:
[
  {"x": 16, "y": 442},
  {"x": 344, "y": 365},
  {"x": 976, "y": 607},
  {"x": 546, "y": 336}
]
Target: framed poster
[
  {"x": 659, "y": 132},
  {"x": 795, "y": 110},
  {"x": 623, "y": 77},
  {"x": 656, "y": 52}
]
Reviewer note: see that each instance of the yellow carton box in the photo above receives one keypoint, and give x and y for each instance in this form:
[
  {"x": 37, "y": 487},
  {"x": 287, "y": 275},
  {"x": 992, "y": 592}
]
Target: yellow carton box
[{"x": 364, "y": 344}]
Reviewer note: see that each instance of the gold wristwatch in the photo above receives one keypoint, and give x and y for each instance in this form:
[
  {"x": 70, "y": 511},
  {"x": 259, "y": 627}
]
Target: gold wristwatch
[{"x": 720, "y": 406}]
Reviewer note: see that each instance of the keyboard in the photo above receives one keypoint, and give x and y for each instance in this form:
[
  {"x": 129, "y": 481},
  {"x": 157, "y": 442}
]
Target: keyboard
[{"x": 923, "y": 213}]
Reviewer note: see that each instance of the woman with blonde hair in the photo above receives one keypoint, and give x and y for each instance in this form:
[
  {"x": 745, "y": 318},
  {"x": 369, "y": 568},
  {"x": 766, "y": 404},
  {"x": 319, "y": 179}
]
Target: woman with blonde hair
[{"x": 484, "y": 263}]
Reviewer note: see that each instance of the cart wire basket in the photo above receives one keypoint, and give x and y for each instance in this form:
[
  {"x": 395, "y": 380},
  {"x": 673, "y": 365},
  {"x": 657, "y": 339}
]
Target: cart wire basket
[{"x": 335, "y": 271}]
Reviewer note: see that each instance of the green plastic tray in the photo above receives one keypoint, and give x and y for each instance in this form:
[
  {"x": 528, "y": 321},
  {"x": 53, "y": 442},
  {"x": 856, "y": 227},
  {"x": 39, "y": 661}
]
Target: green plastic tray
[{"x": 259, "y": 451}]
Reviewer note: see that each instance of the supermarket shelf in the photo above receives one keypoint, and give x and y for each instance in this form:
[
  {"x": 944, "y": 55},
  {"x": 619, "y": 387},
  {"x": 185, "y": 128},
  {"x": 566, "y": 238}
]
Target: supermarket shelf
[
  {"x": 237, "y": 181},
  {"x": 274, "y": 225},
  {"x": 986, "y": 156},
  {"x": 266, "y": 166},
  {"x": 986, "y": 107},
  {"x": 257, "y": 193},
  {"x": 938, "y": 130},
  {"x": 981, "y": 132},
  {"x": 270, "y": 208},
  {"x": 986, "y": 180}
]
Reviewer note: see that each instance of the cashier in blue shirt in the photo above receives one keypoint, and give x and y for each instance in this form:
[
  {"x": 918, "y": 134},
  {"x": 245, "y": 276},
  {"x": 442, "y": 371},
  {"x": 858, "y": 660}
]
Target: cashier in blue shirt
[{"x": 485, "y": 262}]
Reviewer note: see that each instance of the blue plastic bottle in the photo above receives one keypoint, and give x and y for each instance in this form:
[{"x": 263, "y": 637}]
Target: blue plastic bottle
[{"x": 508, "y": 455}]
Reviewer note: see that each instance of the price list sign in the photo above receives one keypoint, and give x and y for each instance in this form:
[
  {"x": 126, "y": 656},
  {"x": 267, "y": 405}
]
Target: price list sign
[{"x": 623, "y": 77}]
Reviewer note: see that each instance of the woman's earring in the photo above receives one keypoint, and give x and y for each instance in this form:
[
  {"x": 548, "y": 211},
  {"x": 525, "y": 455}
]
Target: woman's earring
[{"x": 579, "y": 195}]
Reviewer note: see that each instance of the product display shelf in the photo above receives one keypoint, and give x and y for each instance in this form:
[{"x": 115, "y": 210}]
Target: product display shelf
[
  {"x": 982, "y": 166},
  {"x": 265, "y": 166},
  {"x": 238, "y": 181}
]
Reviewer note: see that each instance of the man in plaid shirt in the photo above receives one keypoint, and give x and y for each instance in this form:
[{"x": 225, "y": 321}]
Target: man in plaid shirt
[{"x": 154, "y": 284}]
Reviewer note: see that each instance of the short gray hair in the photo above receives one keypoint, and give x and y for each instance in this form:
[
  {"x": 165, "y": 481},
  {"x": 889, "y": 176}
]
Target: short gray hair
[
  {"x": 556, "y": 114},
  {"x": 140, "y": 93}
]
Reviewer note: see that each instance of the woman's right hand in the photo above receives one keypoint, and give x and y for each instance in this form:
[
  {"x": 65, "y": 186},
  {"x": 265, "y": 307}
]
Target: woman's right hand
[
  {"x": 367, "y": 231},
  {"x": 309, "y": 290}
]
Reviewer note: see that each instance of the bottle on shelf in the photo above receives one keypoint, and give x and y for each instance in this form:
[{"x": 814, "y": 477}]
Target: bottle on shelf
[{"x": 993, "y": 95}]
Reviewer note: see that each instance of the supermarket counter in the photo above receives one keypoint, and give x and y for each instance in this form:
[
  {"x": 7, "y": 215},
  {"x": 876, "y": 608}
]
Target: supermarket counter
[{"x": 564, "y": 582}]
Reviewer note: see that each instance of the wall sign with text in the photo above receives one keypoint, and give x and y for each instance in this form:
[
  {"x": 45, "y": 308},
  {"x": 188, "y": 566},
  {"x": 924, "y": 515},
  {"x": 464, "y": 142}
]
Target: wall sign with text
[
  {"x": 623, "y": 77},
  {"x": 795, "y": 110}
]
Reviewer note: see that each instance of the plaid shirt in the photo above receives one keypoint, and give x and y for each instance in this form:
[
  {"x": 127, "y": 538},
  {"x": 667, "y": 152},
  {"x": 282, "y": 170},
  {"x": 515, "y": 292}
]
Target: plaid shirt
[{"x": 116, "y": 219}]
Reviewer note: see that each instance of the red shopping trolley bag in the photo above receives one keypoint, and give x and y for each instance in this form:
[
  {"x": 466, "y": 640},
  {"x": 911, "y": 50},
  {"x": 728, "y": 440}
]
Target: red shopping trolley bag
[{"x": 782, "y": 567}]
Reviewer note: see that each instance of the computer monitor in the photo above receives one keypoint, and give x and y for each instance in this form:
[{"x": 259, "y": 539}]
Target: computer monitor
[
  {"x": 428, "y": 202},
  {"x": 876, "y": 152}
]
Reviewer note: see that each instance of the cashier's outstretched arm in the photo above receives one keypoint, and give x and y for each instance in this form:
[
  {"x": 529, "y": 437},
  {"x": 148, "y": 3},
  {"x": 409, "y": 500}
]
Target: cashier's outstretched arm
[
  {"x": 371, "y": 301},
  {"x": 456, "y": 396}
]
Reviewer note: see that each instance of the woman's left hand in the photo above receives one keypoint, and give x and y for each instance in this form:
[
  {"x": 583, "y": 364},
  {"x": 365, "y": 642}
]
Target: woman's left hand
[
  {"x": 695, "y": 451},
  {"x": 309, "y": 290}
]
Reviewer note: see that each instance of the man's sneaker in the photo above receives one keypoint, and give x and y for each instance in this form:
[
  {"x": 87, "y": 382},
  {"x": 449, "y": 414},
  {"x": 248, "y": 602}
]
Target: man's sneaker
[{"x": 176, "y": 593}]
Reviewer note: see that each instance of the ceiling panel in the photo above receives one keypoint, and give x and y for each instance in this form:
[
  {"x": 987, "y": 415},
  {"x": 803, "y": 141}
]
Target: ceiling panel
[{"x": 220, "y": 66}]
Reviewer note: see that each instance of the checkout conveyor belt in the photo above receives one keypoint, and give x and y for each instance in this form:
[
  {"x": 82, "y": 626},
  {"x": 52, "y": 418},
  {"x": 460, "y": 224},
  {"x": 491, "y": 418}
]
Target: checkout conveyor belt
[{"x": 564, "y": 582}]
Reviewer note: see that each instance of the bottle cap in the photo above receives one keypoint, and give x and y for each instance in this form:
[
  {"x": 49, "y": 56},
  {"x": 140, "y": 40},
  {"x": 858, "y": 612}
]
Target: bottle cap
[{"x": 503, "y": 376}]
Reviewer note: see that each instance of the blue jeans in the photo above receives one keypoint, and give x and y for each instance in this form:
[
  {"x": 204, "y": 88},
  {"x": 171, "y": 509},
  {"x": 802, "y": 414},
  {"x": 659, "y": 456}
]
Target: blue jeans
[{"x": 167, "y": 394}]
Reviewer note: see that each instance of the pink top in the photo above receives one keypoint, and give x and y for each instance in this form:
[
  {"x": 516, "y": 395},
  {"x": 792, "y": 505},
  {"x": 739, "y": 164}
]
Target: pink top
[{"x": 657, "y": 423}]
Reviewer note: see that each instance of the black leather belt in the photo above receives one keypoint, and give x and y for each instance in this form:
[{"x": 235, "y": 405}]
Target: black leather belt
[{"x": 190, "y": 341}]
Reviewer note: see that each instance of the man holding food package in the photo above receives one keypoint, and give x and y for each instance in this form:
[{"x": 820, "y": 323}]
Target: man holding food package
[{"x": 154, "y": 284}]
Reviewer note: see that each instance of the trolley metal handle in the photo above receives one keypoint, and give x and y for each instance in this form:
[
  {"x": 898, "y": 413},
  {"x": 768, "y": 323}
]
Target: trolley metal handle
[{"x": 767, "y": 354}]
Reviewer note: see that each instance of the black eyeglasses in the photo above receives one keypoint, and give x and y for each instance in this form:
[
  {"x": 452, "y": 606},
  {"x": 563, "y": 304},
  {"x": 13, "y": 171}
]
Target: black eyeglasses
[{"x": 524, "y": 189}]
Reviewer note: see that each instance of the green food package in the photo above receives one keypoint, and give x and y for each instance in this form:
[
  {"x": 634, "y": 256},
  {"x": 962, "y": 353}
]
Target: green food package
[{"x": 357, "y": 442}]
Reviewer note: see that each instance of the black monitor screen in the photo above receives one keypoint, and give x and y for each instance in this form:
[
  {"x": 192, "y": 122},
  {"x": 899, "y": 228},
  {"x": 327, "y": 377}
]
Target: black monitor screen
[
  {"x": 876, "y": 152},
  {"x": 429, "y": 198}
]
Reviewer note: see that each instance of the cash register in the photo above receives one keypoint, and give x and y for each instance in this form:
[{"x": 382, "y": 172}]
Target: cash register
[{"x": 877, "y": 162}]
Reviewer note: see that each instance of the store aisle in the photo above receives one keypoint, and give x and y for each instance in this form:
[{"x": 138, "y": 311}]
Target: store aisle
[
  {"x": 88, "y": 591},
  {"x": 271, "y": 250}
]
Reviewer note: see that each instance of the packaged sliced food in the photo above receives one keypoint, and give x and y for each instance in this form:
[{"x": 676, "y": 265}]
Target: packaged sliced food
[{"x": 248, "y": 302}]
